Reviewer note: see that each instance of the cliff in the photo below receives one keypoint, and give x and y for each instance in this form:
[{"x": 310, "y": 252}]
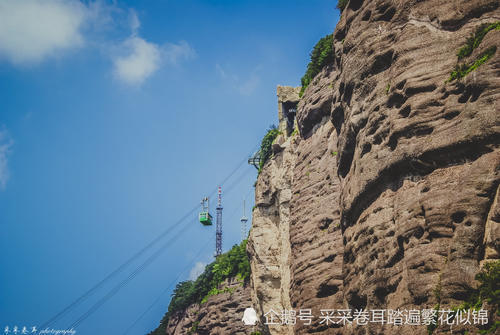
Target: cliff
[
  {"x": 214, "y": 303},
  {"x": 387, "y": 197},
  {"x": 220, "y": 314},
  {"x": 382, "y": 188}
]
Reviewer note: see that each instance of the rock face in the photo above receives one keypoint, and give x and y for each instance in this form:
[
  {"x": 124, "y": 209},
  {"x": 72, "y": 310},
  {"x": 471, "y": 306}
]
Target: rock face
[
  {"x": 269, "y": 241},
  {"x": 221, "y": 314},
  {"x": 388, "y": 196}
]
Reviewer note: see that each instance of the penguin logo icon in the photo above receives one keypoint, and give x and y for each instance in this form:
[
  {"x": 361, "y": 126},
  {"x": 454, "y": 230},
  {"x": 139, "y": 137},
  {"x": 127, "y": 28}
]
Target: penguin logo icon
[{"x": 249, "y": 317}]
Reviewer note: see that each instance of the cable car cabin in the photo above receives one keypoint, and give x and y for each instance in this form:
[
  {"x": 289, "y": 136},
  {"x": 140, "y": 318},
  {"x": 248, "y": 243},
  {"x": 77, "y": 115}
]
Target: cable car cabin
[{"x": 205, "y": 218}]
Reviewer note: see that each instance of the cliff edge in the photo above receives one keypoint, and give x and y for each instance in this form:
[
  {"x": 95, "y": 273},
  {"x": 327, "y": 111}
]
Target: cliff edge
[{"x": 386, "y": 196}]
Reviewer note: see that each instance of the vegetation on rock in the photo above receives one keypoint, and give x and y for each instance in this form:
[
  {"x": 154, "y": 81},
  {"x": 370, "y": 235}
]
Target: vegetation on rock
[
  {"x": 341, "y": 4},
  {"x": 476, "y": 39},
  {"x": 233, "y": 263},
  {"x": 487, "y": 291},
  {"x": 461, "y": 70},
  {"x": 266, "y": 145},
  {"x": 472, "y": 43},
  {"x": 321, "y": 55}
]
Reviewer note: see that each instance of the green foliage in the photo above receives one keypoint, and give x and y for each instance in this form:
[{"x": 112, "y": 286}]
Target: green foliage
[
  {"x": 341, "y": 4},
  {"x": 216, "y": 291},
  {"x": 472, "y": 43},
  {"x": 488, "y": 290},
  {"x": 321, "y": 55},
  {"x": 255, "y": 333},
  {"x": 194, "y": 328},
  {"x": 233, "y": 263},
  {"x": 492, "y": 329},
  {"x": 489, "y": 278},
  {"x": 461, "y": 70},
  {"x": 266, "y": 145},
  {"x": 387, "y": 88},
  {"x": 476, "y": 39}
]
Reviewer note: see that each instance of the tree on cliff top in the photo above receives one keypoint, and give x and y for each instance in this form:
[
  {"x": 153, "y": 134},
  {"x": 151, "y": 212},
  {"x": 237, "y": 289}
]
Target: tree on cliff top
[
  {"x": 232, "y": 264},
  {"x": 321, "y": 55}
]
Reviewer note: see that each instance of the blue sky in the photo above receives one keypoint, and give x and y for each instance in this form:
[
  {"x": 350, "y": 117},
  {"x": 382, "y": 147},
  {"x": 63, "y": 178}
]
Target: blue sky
[{"x": 116, "y": 118}]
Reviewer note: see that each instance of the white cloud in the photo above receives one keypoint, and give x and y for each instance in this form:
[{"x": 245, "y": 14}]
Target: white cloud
[
  {"x": 173, "y": 53},
  {"x": 32, "y": 30},
  {"x": 142, "y": 60},
  {"x": 5, "y": 146},
  {"x": 137, "y": 59},
  {"x": 197, "y": 270},
  {"x": 135, "y": 24}
]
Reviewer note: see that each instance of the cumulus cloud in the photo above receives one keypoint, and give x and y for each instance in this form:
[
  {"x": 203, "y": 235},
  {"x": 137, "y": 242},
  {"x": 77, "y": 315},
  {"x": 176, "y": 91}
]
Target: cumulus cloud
[
  {"x": 5, "y": 147},
  {"x": 137, "y": 59},
  {"x": 197, "y": 270},
  {"x": 142, "y": 59},
  {"x": 32, "y": 30}
]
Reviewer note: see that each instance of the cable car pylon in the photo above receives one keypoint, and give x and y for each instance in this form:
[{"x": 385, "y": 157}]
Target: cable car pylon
[
  {"x": 218, "y": 225},
  {"x": 243, "y": 220},
  {"x": 206, "y": 219}
]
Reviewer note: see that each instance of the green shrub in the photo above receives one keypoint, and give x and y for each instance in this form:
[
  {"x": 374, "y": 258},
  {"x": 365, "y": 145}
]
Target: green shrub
[
  {"x": 341, "y": 4},
  {"x": 194, "y": 328},
  {"x": 489, "y": 287},
  {"x": 266, "y": 145},
  {"x": 476, "y": 39},
  {"x": 488, "y": 290},
  {"x": 321, "y": 55},
  {"x": 461, "y": 70},
  {"x": 233, "y": 263}
]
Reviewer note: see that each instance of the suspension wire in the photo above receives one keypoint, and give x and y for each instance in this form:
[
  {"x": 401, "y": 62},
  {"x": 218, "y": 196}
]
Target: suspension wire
[
  {"x": 124, "y": 282},
  {"x": 249, "y": 192},
  {"x": 237, "y": 180},
  {"x": 119, "y": 269},
  {"x": 172, "y": 283},
  {"x": 134, "y": 257},
  {"x": 138, "y": 270},
  {"x": 233, "y": 213},
  {"x": 178, "y": 276}
]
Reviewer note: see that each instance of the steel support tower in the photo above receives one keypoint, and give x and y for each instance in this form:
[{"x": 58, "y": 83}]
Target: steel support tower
[
  {"x": 218, "y": 225},
  {"x": 243, "y": 220}
]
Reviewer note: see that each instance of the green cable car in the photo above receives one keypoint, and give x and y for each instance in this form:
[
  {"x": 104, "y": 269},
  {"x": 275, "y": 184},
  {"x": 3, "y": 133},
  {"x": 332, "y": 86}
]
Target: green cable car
[{"x": 205, "y": 217}]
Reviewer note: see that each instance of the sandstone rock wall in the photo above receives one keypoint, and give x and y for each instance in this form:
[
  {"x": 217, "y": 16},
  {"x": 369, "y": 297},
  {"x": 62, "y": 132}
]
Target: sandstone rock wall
[
  {"x": 269, "y": 241},
  {"x": 221, "y": 314},
  {"x": 388, "y": 197}
]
